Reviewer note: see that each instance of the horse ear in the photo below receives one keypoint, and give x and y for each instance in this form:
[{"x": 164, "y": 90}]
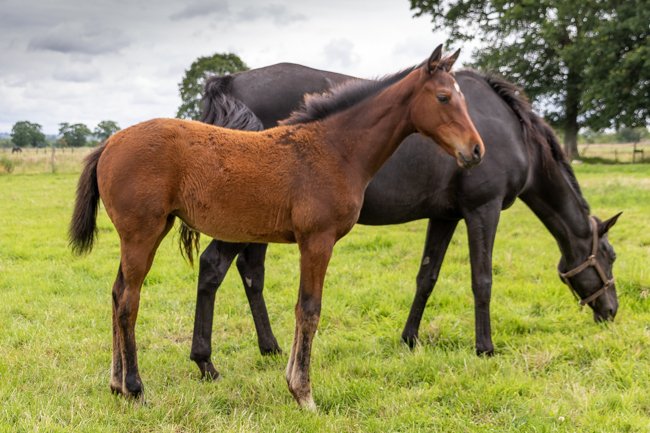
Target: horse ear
[
  {"x": 448, "y": 62},
  {"x": 608, "y": 224},
  {"x": 432, "y": 63}
]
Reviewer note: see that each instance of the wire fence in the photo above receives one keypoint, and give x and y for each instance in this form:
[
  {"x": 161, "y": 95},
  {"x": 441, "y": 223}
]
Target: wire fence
[{"x": 616, "y": 153}]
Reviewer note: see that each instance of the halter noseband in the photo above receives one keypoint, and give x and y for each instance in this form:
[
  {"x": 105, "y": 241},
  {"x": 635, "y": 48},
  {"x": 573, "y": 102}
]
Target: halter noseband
[{"x": 590, "y": 262}]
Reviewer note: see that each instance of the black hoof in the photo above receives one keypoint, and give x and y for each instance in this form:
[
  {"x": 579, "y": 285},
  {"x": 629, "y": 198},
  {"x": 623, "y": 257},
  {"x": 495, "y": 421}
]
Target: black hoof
[
  {"x": 208, "y": 372},
  {"x": 134, "y": 387},
  {"x": 487, "y": 353},
  {"x": 271, "y": 350},
  {"x": 410, "y": 340}
]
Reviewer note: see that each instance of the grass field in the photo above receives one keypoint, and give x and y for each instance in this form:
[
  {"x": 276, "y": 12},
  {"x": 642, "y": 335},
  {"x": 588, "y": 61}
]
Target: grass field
[{"x": 555, "y": 369}]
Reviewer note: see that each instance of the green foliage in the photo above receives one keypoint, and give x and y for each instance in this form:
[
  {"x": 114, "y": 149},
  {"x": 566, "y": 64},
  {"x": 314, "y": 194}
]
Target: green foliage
[
  {"x": 586, "y": 62},
  {"x": 191, "y": 88},
  {"x": 7, "y": 164},
  {"x": 630, "y": 135},
  {"x": 26, "y": 133},
  {"x": 75, "y": 135},
  {"x": 105, "y": 129},
  {"x": 555, "y": 370},
  {"x": 5, "y": 142}
]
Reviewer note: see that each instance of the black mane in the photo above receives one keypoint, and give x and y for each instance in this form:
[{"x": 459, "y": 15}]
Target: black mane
[
  {"x": 536, "y": 130},
  {"x": 319, "y": 106}
]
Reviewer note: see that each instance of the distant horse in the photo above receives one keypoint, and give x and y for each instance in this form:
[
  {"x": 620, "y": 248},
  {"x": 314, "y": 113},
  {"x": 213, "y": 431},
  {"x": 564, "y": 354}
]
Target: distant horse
[
  {"x": 524, "y": 160},
  {"x": 301, "y": 182},
  {"x": 16, "y": 149}
]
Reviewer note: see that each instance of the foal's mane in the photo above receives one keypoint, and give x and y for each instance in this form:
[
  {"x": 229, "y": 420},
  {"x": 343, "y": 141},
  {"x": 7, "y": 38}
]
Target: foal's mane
[
  {"x": 536, "y": 130},
  {"x": 319, "y": 106}
]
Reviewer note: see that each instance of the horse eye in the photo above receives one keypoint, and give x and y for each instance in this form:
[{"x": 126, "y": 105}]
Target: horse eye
[{"x": 443, "y": 99}]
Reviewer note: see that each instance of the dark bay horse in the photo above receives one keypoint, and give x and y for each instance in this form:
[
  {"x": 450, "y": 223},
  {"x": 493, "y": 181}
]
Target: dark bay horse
[
  {"x": 301, "y": 182},
  {"x": 524, "y": 160}
]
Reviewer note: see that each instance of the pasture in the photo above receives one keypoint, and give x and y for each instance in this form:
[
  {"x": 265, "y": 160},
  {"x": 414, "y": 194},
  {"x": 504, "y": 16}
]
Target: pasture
[{"x": 555, "y": 370}]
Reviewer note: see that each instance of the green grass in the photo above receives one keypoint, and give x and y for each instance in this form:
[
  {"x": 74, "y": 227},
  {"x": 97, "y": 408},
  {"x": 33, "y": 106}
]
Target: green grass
[{"x": 555, "y": 369}]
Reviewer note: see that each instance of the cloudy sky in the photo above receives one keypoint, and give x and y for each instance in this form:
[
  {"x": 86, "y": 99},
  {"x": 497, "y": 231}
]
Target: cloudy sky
[{"x": 86, "y": 61}]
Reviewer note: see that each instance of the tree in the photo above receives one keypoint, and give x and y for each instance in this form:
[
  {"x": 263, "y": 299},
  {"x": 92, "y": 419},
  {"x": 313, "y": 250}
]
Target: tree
[
  {"x": 583, "y": 62},
  {"x": 75, "y": 135},
  {"x": 191, "y": 88},
  {"x": 105, "y": 129},
  {"x": 26, "y": 133},
  {"x": 629, "y": 135}
]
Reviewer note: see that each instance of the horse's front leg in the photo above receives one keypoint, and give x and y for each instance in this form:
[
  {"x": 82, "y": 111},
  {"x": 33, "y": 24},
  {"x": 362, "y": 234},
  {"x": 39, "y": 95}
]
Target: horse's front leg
[
  {"x": 315, "y": 253},
  {"x": 213, "y": 266},
  {"x": 481, "y": 229},
  {"x": 439, "y": 233},
  {"x": 250, "y": 265}
]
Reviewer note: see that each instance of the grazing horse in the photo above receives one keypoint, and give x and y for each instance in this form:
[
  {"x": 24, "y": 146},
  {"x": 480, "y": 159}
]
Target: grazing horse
[
  {"x": 302, "y": 182},
  {"x": 524, "y": 160},
  {"x": 16, "y": 149}
]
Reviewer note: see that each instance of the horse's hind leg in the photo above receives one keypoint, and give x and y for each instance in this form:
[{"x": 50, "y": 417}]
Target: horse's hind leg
[
  {"x": 137, "y": 252},
  {"x": 117, "y": 372},
  {"x": 213, "y": 265},
  {"x": 439, "y": 233},
  {"x": 250, "y": 265}
]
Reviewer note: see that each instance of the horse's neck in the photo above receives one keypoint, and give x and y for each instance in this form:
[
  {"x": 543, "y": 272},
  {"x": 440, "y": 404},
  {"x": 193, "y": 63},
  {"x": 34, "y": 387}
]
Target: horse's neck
[
  {"x": 368, "y": 133},
  {"x": 555, "y": 202}
]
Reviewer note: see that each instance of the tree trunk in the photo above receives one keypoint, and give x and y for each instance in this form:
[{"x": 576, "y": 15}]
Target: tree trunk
[
  {"x": 571, "y": 138},
  {"x": 572, "y": 107}
]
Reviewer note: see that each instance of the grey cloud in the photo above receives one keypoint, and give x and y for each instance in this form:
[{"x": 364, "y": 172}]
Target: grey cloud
[
  {"x": 340, "y": 52},
  {"x": 86, "y": 40},
  {"x": 201, "y": 8},
  {"x": 279, "y": 14},
  {"x": 76, "y": 75}
]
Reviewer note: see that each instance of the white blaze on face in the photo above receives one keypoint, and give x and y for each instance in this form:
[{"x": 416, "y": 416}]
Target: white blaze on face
[{"x": 457, "y": 87}]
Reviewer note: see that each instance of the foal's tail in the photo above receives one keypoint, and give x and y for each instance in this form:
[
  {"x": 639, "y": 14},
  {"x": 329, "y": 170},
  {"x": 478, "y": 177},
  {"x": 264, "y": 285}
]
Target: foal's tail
[
  {"x": 83, "y": 226},
  {"x": 220, "y": 108}
]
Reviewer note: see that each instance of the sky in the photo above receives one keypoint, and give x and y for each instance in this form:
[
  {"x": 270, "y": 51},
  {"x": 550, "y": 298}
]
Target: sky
[{"x": 86, "y": 61}]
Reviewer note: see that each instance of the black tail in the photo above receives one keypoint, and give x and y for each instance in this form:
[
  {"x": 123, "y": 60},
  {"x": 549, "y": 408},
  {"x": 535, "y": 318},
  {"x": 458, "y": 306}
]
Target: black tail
[
  {"x": 219, "y": 109},
  {"x": 222, "y": 109},
  {"x": 83, "y": 226}
]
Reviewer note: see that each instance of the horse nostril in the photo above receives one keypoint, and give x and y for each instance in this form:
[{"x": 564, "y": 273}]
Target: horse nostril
[
  {"x": 611, "y": 313},
  {"x": 477, "y": 152}
]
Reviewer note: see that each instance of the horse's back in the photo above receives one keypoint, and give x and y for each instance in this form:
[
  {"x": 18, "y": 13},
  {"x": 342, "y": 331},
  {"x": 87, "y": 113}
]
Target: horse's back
[{"x": 273, "y": 92}]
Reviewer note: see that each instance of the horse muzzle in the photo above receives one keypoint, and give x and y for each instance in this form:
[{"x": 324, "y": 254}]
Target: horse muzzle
[{"x": 471, "y": 160}]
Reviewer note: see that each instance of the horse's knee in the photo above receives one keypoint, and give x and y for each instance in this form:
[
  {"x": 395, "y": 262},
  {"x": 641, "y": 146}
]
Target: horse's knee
[{"x": 482, "y": 289}]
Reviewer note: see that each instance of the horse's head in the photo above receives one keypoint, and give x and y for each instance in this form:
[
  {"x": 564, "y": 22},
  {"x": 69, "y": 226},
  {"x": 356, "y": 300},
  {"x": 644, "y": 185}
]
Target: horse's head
[
  {"x": 439, "y": 111},
  {"x": 592, "y": 280}
]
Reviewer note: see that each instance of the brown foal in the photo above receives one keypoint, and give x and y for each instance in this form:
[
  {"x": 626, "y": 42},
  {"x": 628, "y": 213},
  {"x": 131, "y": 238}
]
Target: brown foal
[{"x": 301, "y": 182}]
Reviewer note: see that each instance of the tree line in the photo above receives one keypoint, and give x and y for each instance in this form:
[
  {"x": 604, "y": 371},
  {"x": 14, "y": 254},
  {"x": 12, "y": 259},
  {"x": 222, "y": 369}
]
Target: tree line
[{"x": 29, "y": 134}]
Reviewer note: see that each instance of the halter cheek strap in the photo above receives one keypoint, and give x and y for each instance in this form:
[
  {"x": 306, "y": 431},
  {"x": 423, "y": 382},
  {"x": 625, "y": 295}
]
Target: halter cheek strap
[{"x": 590, "y": 262}]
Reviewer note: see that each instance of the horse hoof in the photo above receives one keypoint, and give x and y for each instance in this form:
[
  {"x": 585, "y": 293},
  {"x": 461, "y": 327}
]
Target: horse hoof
[
  {"x": 116, "y": 389},
  {"x": 208, "y": 372},
  {"x": 133, "y": 387},
  {"x": 410, "y": 340},
  {"x": 271, "y": 350},
  {"x": 308, "y": 404},
  {"x": 485, "y": 352}
]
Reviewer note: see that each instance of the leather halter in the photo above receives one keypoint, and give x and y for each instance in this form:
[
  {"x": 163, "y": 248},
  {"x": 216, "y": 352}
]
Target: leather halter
[{"x": 590, "y": 262}]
